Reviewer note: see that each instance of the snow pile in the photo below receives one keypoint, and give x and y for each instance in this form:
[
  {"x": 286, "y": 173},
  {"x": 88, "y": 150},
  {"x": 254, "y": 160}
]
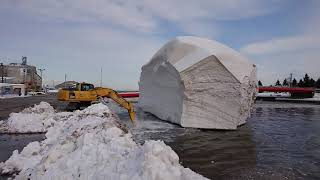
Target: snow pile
[
  {"x": 91, "y": 144},
  {"x": 198, "y": 83},
  {"x": 34, "y": 119}
]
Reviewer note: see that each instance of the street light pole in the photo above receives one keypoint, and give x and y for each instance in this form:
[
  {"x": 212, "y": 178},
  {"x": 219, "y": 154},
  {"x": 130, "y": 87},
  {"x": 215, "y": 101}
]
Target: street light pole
[
  {"x": 65, "y": 80},
  {"x": 290, "y": 85},
  {"x": 41, "y": 70},
  {"x": 1, "y": 64},
  {"x": 101, "y": 77}
]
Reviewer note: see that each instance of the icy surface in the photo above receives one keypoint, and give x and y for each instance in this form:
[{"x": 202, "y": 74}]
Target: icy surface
[
  {"x": 200, "y": 83},
  {"x": 92, "y": 144}
]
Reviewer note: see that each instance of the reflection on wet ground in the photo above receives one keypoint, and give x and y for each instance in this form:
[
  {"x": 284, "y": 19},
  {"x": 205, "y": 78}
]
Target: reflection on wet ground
[{"x": 280, "y": 141}]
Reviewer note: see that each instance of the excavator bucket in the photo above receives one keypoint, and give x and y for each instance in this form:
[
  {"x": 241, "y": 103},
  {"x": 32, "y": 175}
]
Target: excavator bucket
[
  {"x": 130, "y": 108},
  {"x": 132, "y": 114}
]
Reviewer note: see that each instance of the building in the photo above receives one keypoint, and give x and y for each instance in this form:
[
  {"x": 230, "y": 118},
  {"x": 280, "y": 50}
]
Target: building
[
  {"x": 21, "y": 73},
  {"x": 7, "y": 89},
  {"x": 67, "y": 84}
]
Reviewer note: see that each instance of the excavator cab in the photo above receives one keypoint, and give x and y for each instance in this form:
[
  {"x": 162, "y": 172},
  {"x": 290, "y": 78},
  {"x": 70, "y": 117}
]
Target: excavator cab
[{"x": 84, "y": 86}]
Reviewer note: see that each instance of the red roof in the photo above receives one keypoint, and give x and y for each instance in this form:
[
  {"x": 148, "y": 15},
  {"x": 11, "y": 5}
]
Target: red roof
[
  {"x": 286, "y": 89},
  {"x": 129, "y": 94}
]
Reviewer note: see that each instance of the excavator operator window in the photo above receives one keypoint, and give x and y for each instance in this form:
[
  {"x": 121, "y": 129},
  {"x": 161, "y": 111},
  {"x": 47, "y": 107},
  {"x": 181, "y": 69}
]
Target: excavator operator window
[
  {"x": 78, "y": 86},
  {"x": 86, "y": 87}
]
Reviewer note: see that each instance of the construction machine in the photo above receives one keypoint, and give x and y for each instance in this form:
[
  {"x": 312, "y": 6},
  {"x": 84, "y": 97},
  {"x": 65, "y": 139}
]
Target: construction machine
[{"x": 84, "y": 94}]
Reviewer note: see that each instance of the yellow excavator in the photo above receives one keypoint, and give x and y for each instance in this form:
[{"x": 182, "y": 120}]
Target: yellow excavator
[{"x": 84, "y": 94}]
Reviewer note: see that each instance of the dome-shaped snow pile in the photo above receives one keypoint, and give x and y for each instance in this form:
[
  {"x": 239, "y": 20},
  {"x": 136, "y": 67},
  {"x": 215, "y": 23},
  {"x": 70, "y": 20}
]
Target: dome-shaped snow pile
[
  {"x": 199, "y": 83},
  {"x": 91, "y": 144}
]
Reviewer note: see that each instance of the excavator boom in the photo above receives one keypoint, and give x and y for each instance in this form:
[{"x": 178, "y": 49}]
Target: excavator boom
[{"x": 110, "y": 93}]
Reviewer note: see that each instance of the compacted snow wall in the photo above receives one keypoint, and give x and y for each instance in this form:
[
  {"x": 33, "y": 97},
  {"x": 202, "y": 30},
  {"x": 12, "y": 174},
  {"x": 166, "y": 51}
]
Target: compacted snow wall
[{"x": 198, "y": 83}]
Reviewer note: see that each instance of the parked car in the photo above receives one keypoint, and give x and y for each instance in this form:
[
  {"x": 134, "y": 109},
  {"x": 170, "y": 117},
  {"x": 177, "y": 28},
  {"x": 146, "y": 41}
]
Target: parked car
[{"x": 34, "y": 93}]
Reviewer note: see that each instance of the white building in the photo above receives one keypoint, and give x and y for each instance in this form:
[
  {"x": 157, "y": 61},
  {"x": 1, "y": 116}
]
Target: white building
[{"x": 12, "y": 90}]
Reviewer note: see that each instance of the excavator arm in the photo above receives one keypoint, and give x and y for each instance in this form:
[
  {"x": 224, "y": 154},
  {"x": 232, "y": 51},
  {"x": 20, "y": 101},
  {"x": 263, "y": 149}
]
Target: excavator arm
[{"x": 106, "y": 92}]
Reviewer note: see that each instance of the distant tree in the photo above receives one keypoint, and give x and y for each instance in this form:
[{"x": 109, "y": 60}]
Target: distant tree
[
  {"x": 260, "y": 83},
  {"x": 312, "y": 83},
  {"x": 306, "y": 80},
  {"x": 278, "y": 83},
  {"x": 317, "y": 84},
  {"x": 285, "y": 83},
  {"x": 301, "y": 83},
  {"x": 294, "y": 82}
]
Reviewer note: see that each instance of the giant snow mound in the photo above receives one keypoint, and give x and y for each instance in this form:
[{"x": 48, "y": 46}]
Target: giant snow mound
[
  {"x": 90, "y": 144},
  {"x": 198, "y": 83}
]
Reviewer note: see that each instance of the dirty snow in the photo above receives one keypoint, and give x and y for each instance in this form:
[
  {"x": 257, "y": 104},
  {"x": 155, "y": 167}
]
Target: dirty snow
[
  {"x": 91, "y": 144},
  {"x": 195, "y": 82}
]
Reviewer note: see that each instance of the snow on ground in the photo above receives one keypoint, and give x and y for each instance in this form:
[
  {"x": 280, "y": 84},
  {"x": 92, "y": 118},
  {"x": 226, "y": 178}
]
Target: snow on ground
[
  {"x": 314, "y": 99},
  {"x": 273, "y": 94},
  {"x": 90, "y": 144},
  {"x": 316, "y": 96},
  {"x": 8, "y": 96},
  {"x": 34, "y": 119}
]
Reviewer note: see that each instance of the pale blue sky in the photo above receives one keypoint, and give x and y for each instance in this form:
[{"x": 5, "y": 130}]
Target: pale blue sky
[{"x": 78, "y": 37}]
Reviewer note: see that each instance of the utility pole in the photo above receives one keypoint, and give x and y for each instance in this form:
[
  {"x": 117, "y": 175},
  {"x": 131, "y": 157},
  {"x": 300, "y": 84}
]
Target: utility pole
[
  {"x": 2, "y": 72},
  {"x": 290, "y": 84},
  {"x": 24, "y": 77},
  {"x": 65, "y": 80},
  {"x": 101, "y": 77},
  {"x": 41, "y": 70}
]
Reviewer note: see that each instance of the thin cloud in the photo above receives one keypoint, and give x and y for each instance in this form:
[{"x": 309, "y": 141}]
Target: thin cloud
[
  {"x": 122, "y": 35},
  {"x": 142, "y": 15},
  {"x": 308, "y": 40},
  {"x": 211, "y": 9},
  {"x": 277, "y": 58},
  {"x": 283, "y": 45}
]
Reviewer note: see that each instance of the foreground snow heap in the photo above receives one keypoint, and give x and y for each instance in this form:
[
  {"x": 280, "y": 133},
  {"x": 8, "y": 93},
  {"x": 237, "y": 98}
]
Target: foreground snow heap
[
  {"x": 92, "y": 144},
  {"x": 195, "y": 82},
  {"x": 34, "y": 119}
]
